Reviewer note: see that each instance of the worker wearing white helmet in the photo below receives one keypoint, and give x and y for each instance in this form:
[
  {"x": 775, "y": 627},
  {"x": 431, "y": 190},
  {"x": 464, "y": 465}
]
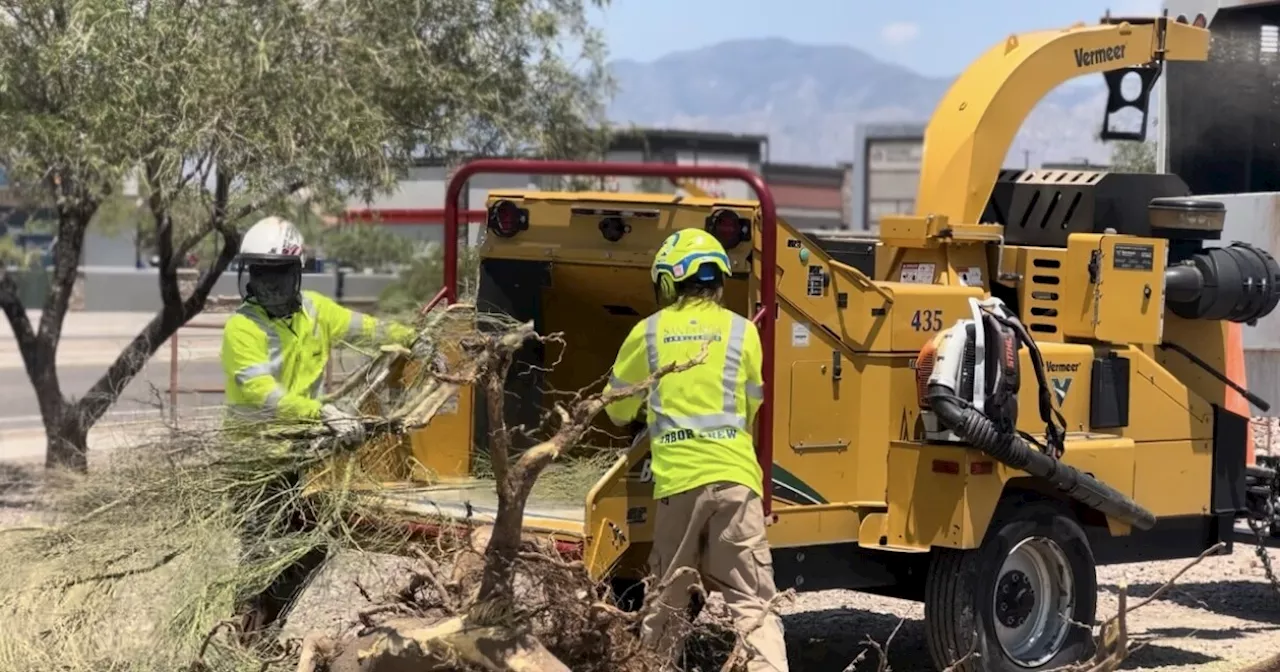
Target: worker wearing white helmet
[
  {"x": 276, "y": 347},
  {"x": 274, "y": 352}
]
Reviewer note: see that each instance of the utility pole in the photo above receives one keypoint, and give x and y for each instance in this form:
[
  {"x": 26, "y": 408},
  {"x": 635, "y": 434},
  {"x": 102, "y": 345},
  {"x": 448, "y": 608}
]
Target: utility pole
[{"x": 1026, "y": 159}]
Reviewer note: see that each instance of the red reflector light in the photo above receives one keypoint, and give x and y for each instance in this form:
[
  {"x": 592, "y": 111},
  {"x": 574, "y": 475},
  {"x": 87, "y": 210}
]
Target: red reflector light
[
  {"x": 982, "y": 468},
  {"x": 506, "y": 219},
  {"x": 946, "y": 467},
  {"x": 728, "y": 228}
]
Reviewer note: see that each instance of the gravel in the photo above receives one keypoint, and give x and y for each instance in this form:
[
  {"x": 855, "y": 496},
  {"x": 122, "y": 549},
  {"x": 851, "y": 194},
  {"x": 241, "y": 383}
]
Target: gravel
[{"x": 1221, "y": 615}]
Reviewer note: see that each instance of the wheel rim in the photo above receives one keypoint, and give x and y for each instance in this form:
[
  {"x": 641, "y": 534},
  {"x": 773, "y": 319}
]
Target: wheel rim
[{"x": 1033, "y": 601}]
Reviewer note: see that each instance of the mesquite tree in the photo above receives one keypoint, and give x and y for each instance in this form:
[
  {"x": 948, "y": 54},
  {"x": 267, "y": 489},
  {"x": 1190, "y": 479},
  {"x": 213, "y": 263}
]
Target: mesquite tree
[{"x": 239, "y": 105}]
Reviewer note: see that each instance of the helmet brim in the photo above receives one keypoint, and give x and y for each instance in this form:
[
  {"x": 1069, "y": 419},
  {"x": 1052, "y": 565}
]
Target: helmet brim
[
  {"x": 272, "y": 259},
  {"x": 687, "y": 268}
]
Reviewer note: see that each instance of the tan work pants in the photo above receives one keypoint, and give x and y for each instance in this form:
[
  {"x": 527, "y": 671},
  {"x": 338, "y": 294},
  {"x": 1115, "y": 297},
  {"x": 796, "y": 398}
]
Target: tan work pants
[{"x": 719, "y": 531}]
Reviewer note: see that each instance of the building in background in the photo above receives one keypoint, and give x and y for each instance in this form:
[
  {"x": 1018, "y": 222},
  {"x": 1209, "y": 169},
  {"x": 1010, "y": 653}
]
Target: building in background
[
  {"x": 811, "y": 197},
  {"x": 687, "y": 148},
  {"x": 808, "y": 197},
  {"x": 886, "y": 171},
  {"x": 416, "y": 208}
]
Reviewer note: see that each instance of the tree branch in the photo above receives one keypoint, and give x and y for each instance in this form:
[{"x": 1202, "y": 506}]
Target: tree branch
[
  {"x": 230, "y": 246},
  {"x": 218, "y": 212},
  {"x": 161, "y": 328},
  {"x": 259, "y": 203},
  {"x": 161, "y": 208},
  {"x": 16, "y": 312},
  {"x": 170, "y": 318},
  {"x": 495, "y": 378},
  {"x": 575, "y": 421},
  {"x": 67, "y": 251},
  {"x": 515, "y": 487}
]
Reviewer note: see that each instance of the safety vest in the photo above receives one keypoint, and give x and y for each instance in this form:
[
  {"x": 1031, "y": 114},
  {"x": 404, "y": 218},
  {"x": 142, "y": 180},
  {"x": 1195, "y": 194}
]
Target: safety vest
[
  {"x": 274, "y": 368},
  {"x": 700, "y": 420}
]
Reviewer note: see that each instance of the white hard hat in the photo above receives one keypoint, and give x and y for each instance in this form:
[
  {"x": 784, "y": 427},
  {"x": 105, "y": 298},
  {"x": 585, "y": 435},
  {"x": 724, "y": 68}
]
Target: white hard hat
[{"x": 272, "y": 239}]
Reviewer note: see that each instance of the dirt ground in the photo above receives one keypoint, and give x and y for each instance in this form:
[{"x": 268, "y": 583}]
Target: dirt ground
[{"x": 1221, "y": 615}]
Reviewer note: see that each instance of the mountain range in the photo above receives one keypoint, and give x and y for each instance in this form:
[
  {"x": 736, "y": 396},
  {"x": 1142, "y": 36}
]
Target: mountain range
[{"x": 809, "y": 98}]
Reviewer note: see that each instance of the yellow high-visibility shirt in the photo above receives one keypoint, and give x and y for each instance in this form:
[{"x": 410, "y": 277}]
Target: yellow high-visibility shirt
[
  {"x": 274, "y": 368},
  {"x": 700, "y": 420}
]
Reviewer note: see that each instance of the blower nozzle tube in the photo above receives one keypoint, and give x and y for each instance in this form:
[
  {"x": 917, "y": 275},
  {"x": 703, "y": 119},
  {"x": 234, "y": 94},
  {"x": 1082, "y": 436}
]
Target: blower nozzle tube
[{"x": 1013, "y": 451}]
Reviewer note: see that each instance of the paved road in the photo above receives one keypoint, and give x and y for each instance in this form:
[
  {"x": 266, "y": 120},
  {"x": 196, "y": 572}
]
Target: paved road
[
  {"x": 91, "y": 342},
  {"x": 18, "y": 407}
]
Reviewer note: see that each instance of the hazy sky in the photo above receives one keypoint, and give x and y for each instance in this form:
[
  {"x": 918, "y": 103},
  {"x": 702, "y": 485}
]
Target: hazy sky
[{"x": 934, "y": 37}]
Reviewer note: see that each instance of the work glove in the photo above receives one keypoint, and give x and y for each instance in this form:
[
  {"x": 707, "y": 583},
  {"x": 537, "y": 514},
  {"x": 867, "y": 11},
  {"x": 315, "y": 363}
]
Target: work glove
[{"x": 347, "y": 428}]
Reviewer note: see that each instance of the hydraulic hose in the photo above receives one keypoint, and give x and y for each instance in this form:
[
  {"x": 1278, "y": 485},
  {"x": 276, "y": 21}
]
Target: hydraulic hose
[{"x": 1013, "y": 451}]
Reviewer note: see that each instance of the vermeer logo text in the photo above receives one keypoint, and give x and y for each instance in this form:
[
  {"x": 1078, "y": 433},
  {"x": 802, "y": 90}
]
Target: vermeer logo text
[{"x": 1088, "y": 57}]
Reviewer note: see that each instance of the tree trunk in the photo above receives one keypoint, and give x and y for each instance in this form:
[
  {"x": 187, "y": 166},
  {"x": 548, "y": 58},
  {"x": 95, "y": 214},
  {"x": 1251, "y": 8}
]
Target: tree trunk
[
  {"x": 68, "y": 438},
  {"x": 67, "y": 424},
  {"x": 498, "y": 579}
]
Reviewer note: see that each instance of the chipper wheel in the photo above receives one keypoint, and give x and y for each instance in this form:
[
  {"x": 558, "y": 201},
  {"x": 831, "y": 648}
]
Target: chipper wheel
[{"x": 1028, "y": 594}]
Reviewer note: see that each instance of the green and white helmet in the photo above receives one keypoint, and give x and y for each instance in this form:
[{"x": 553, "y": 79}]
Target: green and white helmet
[{"x": 684, "y": 255}]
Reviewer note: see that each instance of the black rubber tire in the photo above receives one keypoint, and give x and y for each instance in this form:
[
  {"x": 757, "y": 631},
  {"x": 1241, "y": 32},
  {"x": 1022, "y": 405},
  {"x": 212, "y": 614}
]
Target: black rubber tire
[{"x": 960, "y": 586}]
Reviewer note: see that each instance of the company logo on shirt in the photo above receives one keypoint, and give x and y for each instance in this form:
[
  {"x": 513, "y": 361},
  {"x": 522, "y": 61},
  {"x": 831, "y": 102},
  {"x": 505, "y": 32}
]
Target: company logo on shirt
[{"x": 688, "y": 338}]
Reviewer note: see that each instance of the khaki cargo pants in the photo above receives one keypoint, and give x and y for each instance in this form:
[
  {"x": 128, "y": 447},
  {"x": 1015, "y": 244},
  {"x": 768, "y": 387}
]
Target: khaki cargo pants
[{"x": 719, "y": 531}]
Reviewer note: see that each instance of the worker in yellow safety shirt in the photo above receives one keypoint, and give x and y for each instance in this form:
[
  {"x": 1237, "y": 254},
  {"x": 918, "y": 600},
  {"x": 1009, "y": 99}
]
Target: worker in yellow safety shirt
[
  {"x": 274, "y": 352},
  {"x": 707, "y": 481},
  {"x": 276, "y": 347}
]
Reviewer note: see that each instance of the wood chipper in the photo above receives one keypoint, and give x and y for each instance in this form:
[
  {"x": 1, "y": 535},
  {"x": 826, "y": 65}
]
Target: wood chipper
[{"x": 1016, "y": 384}]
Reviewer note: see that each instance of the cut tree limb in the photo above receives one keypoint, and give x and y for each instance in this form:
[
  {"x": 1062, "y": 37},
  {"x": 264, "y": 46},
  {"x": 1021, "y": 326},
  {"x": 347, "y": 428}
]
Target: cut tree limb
[
  {"x": 1113, "y": 644},
  {"x": 515, "y": 485},
  {"x": 491, "y": 630}
]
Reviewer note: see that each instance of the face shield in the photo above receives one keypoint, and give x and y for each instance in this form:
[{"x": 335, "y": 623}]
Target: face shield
[{"x": 277, "y": 287}]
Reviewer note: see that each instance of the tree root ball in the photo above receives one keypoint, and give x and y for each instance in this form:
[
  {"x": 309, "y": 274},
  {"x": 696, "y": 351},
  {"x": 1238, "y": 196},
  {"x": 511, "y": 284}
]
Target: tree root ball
[{"x": 423, "y": 645}]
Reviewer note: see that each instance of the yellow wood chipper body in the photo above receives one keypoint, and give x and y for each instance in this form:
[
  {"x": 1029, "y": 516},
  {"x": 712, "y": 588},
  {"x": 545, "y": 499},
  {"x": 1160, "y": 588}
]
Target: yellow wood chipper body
[{"x": 1018, "y": 383}]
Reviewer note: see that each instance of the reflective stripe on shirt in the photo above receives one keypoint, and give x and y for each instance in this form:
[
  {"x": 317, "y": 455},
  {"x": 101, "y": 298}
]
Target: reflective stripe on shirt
[
  {"x": 729, "y": 415},
  {"x": 310, "y": 308},
  {"x": 272, "y": 367},
  {"x": 355, "y": 326},
  {"x": 308, "y": 305}
]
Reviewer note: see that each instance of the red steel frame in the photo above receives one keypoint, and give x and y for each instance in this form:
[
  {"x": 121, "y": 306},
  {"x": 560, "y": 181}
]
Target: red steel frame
[{"x": 765, "y": 318}]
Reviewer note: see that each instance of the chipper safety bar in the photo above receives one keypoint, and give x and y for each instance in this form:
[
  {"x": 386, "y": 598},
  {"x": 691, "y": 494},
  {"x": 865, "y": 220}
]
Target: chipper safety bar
[{"x": 764, "y": 317}]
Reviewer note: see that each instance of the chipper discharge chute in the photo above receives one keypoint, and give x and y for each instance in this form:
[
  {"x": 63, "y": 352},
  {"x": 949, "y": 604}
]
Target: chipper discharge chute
[{"x": 1007, "y": 389}]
